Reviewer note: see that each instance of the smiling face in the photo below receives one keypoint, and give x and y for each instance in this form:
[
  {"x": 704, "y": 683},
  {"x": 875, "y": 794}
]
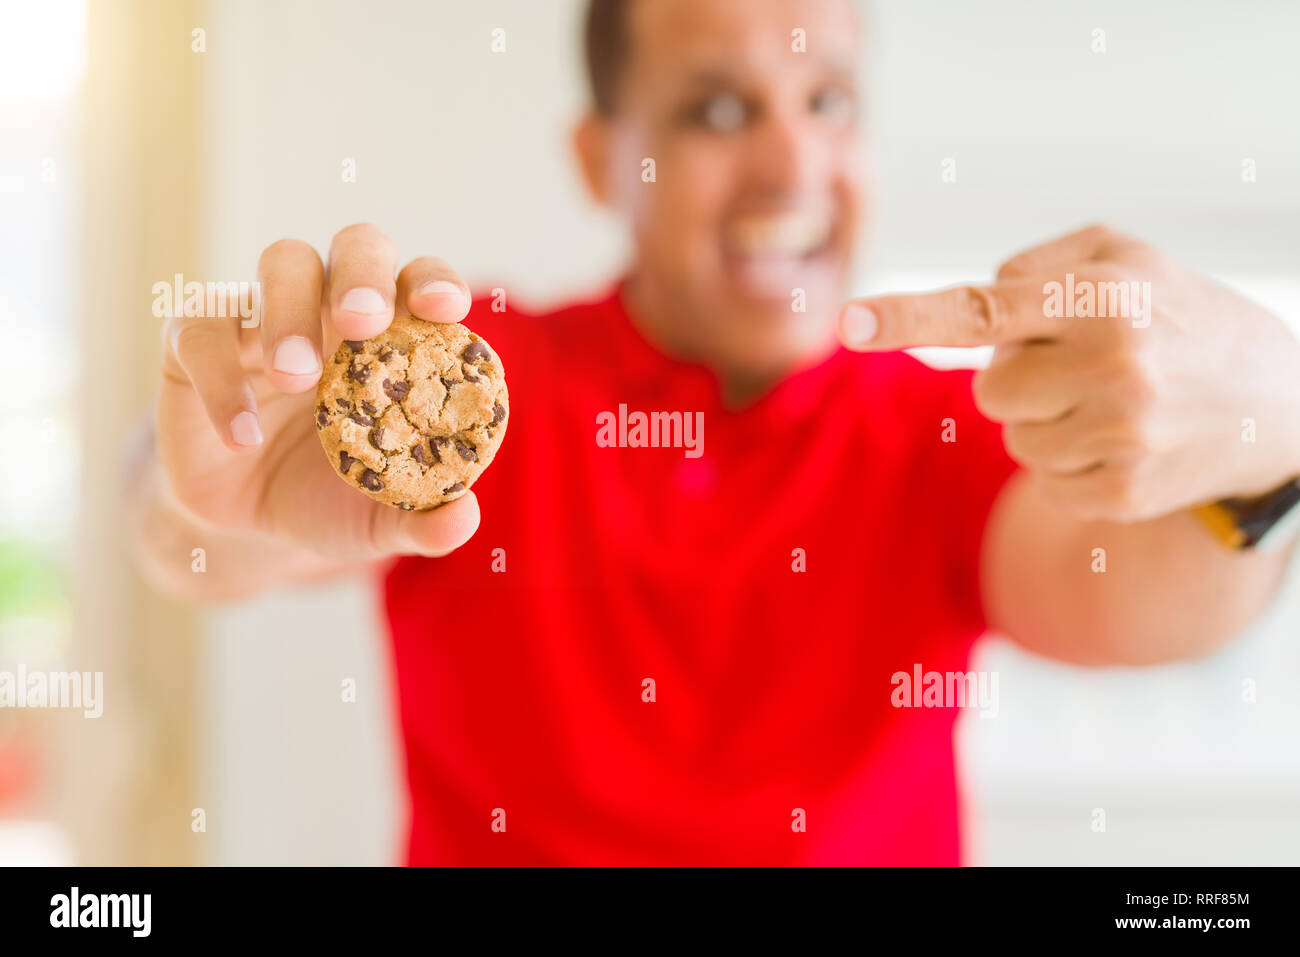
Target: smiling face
[{"x": 758, "y": 174}]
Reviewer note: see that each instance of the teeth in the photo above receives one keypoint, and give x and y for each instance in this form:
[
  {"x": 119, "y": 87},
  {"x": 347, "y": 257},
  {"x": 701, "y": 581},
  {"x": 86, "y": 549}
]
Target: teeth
[{"x": 789, "y": 234}]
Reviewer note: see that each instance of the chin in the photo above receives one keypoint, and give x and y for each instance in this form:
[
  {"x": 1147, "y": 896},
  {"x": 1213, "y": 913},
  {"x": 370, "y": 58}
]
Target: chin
[
  {"x": 777, "y": 340},
  {"x": 793, "y": 317}
]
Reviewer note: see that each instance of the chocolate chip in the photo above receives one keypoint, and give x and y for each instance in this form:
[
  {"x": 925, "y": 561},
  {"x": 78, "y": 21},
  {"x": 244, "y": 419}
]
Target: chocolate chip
[
  {"x": 370, "y": 481},
  {"x": 396, "y": 390},
  {"x": 376, "y": 437},
  {"x": 369, "y": 408},
  {"x": 406, "y": 506},
  {"x": 417, "y": 453},
  {"x": 466, "y": 451},
  {"x": 385, "y": 354},
  {"x": 448, "y": 383},
  {"x": 322, "y": 416},
  {"x": 437, "y": 443},
  {"x": 498, "y": 413},
  {"x": 471, "y": 377},
  {"x": 476, "y": 350},
  {"x": 458, "y": 487},
  {"x": 354, "y": 345},
  {"x": 360, "y": 419},
  {"x": 344, "y": 404},
  {"x": 358, "y": 373},
  {"x": 345, "y": 462}
]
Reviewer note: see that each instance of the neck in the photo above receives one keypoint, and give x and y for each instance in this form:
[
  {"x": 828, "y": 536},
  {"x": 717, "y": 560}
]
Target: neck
[{"x": 677, "y": 334}]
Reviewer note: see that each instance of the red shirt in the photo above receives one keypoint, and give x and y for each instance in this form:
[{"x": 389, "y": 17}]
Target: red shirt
[{"x": 521, "y": 691}]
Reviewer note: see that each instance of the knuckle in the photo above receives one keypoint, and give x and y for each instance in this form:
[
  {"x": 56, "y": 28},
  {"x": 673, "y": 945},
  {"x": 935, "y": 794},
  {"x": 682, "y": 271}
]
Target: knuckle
[
  {"x": 192, "y": 339},
  {"x": 988, "y": 307}
]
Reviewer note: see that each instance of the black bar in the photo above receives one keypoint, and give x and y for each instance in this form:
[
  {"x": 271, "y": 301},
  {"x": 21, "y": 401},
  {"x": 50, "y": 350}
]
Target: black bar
[{"x": 455, "y": 908}]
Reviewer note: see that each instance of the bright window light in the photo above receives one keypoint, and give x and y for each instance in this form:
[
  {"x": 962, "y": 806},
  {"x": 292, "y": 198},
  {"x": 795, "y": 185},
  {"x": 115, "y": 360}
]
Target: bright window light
[{"x": 42, "y": 52}]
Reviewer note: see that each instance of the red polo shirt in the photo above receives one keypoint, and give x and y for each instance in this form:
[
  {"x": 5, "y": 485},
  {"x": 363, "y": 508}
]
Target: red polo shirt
[{"x": 762, "y": 595}]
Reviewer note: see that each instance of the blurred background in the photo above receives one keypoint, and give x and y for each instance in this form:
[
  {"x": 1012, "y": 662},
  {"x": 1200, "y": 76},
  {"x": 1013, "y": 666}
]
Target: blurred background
[{"x": 145, "y": 138}]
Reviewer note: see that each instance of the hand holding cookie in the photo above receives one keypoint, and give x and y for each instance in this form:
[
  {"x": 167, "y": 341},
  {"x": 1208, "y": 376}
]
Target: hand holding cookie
[{"x": 238, "y": 408}]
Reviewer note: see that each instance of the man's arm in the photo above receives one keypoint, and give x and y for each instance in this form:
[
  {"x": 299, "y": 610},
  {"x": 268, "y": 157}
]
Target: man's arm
[{"x": 1160, "y": 590}]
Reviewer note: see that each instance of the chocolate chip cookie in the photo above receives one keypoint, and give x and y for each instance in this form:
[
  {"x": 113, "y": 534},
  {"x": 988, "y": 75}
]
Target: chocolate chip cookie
[{"x": 413, "y": 416}]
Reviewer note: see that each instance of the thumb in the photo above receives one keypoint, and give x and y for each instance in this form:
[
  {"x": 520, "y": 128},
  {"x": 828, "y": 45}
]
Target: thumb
[{"x": 433, "y": 533}]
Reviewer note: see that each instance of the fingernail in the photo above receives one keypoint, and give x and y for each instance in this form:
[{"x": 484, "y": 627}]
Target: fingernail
[
  {"x": 245, "y": 429},
  {"x": 363, "y": 301},
  {"x": 439, "y": 287},
  {"x": 295, "y": 356},
  {"x": 858, "y": 325}
]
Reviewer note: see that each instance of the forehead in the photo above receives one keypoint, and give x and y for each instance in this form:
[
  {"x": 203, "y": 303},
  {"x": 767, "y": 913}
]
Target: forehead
[{"x": 671, "y": 35}]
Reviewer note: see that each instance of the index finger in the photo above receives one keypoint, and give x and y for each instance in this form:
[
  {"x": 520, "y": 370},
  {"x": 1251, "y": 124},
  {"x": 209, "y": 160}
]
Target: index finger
[
  {"x": 1012, "y": 310},
  {"x": 290, "y": 275},
  {"x": 360, "y": 283}
]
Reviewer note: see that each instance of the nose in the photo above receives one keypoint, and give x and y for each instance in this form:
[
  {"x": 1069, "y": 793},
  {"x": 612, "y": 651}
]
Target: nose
[{"x": 788, "y": 154}]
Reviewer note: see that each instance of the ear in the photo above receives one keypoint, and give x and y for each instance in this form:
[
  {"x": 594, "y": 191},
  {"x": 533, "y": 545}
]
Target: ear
[{"x": 591, "y": 146}]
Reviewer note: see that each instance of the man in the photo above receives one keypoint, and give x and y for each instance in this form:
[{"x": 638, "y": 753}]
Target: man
[{"x": 645, "y": 656}]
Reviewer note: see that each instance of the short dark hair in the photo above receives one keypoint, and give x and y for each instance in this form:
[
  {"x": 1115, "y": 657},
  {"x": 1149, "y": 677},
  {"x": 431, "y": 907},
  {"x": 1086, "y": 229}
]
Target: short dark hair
[{"x": 606, "y": 42}]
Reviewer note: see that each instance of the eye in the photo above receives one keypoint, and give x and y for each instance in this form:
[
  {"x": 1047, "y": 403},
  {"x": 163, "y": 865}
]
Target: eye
[
  {"x": 834, "y": 103},
  {"x": 721, "y": 113}
]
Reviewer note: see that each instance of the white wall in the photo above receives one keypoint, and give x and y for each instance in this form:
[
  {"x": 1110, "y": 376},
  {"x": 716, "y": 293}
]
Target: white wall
[
  {"x": 1148, "y": 136},
  {"x": 462, "y": 153}
]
